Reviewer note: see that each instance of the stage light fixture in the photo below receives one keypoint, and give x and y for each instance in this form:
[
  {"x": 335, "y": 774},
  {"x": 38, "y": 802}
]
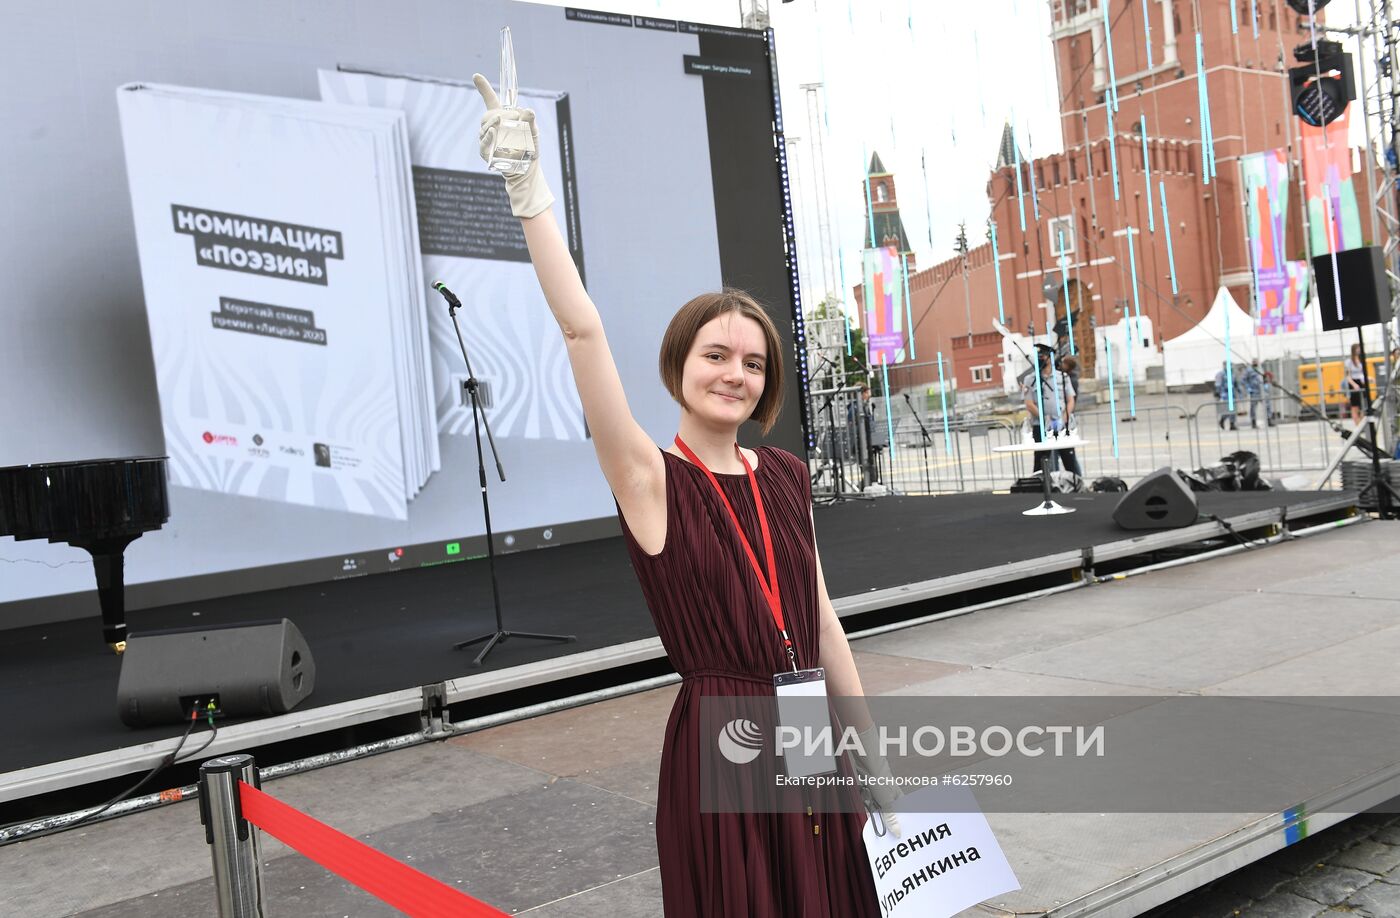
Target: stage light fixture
[
  {"x": 1320, "y": 100},
  {"x": 1301, "y": 6}
]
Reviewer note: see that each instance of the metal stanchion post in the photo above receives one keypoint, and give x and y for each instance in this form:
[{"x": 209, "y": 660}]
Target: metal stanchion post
[{"x": 233, "y": 841}]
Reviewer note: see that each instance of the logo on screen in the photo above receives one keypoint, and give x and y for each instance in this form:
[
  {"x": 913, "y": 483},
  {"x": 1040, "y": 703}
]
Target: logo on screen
[
  {"x": 454, "y": 548},
  {"x": 257, "y": 440},
  {"x": 322, "y": 452},
  {"x": 740, "y": 741},
  {"x": 220, "y": 439}
]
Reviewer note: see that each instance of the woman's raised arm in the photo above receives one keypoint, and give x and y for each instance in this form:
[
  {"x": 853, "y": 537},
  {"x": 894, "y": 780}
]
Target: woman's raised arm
[{"x": 630, "y": 461}]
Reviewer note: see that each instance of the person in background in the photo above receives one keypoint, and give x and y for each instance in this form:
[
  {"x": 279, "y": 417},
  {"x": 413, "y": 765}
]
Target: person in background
[
  {"x": 1225, "y": 382},
  {"x": 1256, "y": 386},
  {"x": 1070, "y": 364},
  {"x": 1057, "y": 396},
  {"x": 1355, "y": 383}
]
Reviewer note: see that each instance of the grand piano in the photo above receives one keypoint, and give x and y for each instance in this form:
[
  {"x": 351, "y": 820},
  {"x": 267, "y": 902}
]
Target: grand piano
[{"x": 100, "y": 505}]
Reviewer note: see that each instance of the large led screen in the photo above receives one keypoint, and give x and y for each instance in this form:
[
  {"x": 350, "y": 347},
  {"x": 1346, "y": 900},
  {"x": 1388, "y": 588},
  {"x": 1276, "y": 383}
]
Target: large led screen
[{"x": 223, "y": 227}]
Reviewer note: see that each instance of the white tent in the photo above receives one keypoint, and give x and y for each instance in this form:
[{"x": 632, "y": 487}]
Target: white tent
[{"x": 1195, "y": 355}]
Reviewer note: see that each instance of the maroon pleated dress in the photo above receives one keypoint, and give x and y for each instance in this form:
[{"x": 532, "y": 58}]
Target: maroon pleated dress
[{"x": 719, "y": 633}]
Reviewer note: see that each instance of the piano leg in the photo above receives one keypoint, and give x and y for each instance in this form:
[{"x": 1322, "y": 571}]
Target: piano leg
[{"x": 108, "y": 564}]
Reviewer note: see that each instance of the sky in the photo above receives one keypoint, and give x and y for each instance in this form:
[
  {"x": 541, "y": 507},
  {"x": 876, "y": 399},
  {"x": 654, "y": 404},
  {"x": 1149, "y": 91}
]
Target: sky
[{"x": 929, "y": 84}]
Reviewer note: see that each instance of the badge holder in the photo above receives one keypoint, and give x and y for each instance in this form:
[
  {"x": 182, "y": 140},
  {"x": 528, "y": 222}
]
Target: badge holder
[{"x": 802, "y": 705}]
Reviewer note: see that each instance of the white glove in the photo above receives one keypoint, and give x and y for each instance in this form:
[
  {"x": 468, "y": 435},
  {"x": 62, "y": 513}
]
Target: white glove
[
  {"x": 529, "y": 194},
  {"x": 881, "y": 788}
]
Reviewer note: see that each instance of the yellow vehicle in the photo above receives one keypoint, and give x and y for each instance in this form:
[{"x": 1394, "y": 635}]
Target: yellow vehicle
[{"x": 1334, "y": 382}]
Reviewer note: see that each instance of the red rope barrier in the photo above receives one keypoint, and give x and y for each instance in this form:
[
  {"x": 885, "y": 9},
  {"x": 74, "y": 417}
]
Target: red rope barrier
[{"x": 410, "y": 891}]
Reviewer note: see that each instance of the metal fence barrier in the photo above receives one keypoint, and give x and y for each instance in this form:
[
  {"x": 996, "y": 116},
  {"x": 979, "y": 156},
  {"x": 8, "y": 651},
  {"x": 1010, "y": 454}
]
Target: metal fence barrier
[{"x": 958, "y": 453}]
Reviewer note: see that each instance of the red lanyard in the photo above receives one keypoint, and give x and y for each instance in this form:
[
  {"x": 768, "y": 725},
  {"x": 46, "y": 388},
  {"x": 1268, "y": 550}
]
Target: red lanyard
[{"x": 768, "y": 585}]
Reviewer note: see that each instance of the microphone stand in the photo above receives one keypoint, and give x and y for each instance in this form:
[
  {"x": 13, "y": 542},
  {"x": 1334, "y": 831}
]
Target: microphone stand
[
  {"x": 924, "y": 448},
  {"x": 500, "y": 635}
]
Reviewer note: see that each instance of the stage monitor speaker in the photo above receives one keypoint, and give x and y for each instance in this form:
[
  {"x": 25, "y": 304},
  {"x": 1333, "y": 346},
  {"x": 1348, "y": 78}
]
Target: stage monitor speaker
[
  {"x": 1364, "y": 287},
  {"x": 247, "y": 670},
  {"x": 1160, "y": 501}
]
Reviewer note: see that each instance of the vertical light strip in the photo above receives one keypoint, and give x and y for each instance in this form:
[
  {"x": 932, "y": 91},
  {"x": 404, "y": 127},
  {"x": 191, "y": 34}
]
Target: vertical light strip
[
  {"x": 889, "y": 415},
  {"x": 1234, "y": 19},
  {"x": 943, "y": 403},
  {"x": 996, "y": 272},
  {"x": 846, "y": 310},
  {"x": 1035, "y": 192},
  {"x": 1147, "y": 175},
  {"x": 1203, "y": 103},
  {"x": 1167, "y": 228},
  {"x": 1064, "y": 285},
  {"x": 928, "y": 208},
  {"x": 1147, "y": 32},
  {"x": 1113, "y": 152},
  {"x": 1020, "y": 193},
  {"x": 1112, "y": 397},
  {"x": 1129, "y": 334},
  {"x": 1039, "y": 394},
  {"x": 1133, "y": 326},
  {"x": 1108, "y": 43},
  {"x": 908, "y": 308},
  {"x": 869, "y": 207},
  {"x": 1254, "y": 14},
  {"x": 1132, "y": 266},
  {"x": 873, "y": 242},
  {"x": 1229, "y": 364}
]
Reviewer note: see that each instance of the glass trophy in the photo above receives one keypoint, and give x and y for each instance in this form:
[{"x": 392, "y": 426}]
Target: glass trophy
[{"x": 514, "y": 146}]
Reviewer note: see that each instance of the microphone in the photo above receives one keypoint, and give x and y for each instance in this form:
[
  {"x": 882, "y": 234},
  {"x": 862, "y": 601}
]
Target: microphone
[{"x": 448, "y": 295}]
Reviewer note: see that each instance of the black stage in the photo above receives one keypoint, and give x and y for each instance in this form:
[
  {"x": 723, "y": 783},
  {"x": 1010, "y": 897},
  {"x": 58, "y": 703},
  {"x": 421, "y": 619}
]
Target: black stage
[{"x": 376, "y": 634}]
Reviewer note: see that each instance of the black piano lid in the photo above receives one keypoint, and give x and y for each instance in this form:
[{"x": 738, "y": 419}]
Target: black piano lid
[{"x": 84, "y": 499}]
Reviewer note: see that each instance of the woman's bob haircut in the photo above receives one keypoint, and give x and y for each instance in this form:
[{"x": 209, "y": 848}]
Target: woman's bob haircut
[{"x": 686, "y": 324}]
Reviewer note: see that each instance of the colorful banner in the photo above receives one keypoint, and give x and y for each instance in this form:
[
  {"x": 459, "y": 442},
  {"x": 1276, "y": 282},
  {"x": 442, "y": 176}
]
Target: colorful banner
[
  {"x": 884, "y": 306},
  {"x": 1285, "y": 313},
  {"x": 1280, "y": 285},
  {"x": 1332, "y": 210}
]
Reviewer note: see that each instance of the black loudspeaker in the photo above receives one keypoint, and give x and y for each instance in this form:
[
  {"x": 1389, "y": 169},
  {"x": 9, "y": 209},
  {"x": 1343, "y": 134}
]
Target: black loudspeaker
[
  {"x": 247, "y": 670},
  {"x": 1160, "y": 501},
  {"x": 1365, "y": 288}
]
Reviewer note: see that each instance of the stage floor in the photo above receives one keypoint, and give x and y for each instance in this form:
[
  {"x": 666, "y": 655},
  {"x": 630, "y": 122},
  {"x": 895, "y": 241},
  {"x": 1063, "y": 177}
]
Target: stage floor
[
  {"x": 392, "y": 632},
  {"x": 555, "y": 816}
]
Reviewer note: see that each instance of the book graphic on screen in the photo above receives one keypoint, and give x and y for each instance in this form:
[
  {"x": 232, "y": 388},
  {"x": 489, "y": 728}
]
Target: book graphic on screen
[
  {"x": 284, "y": 296},
  {"x": 471, "y": 242}
]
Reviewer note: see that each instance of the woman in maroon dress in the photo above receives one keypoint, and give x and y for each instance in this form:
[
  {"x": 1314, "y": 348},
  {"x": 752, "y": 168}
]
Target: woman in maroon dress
[{"x": 703, "y": 580}]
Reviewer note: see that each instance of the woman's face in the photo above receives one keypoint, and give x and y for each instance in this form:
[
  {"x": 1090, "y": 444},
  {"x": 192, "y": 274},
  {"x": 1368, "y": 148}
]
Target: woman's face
[{"x": 724, "y": 371}]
